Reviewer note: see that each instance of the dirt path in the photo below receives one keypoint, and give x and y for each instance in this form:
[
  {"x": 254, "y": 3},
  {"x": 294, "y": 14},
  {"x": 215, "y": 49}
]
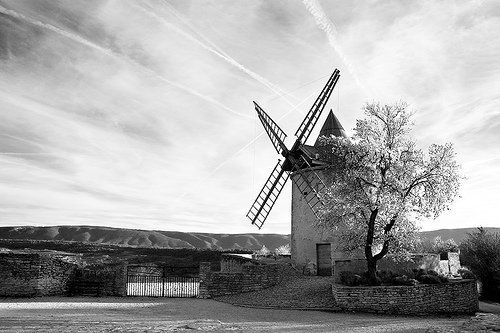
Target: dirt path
[{"x": 78, "y": 315}]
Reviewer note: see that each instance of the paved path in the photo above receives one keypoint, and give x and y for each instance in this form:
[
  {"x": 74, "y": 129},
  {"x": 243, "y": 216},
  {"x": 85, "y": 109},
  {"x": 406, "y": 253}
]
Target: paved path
[{"x": 294, "y": 292}]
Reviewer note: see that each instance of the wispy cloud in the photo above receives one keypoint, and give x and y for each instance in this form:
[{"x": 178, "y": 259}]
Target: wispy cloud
[{"x": 139, "y": 113}]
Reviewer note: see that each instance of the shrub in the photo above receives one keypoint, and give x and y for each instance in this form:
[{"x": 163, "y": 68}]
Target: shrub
[
  {"x": 404, "y": 280},
  {"x": 283, "y": 250},
  {"x": 466, "y": 274},
  {"x": 350, "y": 279},
  {"x": 443, "y": 279},
  {"x": 480, "y": 251},
  {"x": 419, "y": 272},
  {"x": 386, "y": 277},
  {"x": 432, "y": 272},
  {"x": 429, "y": 279}
]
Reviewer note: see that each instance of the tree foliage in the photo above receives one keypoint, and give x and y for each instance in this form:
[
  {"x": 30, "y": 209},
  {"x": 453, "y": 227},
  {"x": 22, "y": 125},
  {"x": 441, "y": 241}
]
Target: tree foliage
[
  {"x": 264, "y": 251},
  {"x": 283, "y": 250},
  {"x": 382, "y": 184},
  {"x": 440, "y": 246},
  {"x": 480, "y": 252}
]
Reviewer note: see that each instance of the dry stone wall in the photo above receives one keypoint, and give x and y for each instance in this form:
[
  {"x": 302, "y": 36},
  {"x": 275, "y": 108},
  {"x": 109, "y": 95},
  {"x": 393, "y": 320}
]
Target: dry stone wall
[
  {"x": 109, "y": 280},
  {"x": 33, "y": 274},
  {"x": 251, "y": 278},
  {"x": 458, "y": 297}
]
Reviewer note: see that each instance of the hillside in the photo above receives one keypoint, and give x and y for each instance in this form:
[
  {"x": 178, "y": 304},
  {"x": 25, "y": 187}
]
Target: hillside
[
  {"x": 176, "y": 240},
  {"x": 458, "y": 235},
  {"x": 146, "y": 238}
]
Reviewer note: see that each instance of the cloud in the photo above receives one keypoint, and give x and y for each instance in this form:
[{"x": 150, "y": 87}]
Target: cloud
[{"x": 112, "y": 115}]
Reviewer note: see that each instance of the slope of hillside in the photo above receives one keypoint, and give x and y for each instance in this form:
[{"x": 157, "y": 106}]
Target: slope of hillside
[
  {"x": 458, "y": 235},
  {"x": 175, "y": 240},
  {"x": 146, "y": 238}
]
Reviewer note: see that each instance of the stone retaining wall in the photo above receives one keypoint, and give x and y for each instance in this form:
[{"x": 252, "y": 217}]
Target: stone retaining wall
[
  {"x": 456, "y": 297},
  {"x": 251, "y": 278},
  {"x": 33, "y": 274},
  {"x": 111, "y": 278}
]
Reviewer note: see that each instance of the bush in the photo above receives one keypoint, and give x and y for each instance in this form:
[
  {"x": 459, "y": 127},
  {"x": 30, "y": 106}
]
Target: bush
[
  {"x": 443, "y": 279},
  {"x": 404, "y": 280},
  {"x": 480, "y": 252},
  {"x": 427, "y": 276},
  {"x": 350, "y": 279},
  {"x": 386, "y": 277},
  {"x": 466, "y": 274},
  {"x": 432, "y": 272},
  {"x": 429, "y": 279}
]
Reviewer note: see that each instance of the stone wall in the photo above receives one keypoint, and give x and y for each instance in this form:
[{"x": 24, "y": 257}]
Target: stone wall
[
  {"x": 252, "y": 277},
  {"x": 112, "y": 280},
  {"x": 457, "y": 297},
  {"x": 33, "y": 274}
]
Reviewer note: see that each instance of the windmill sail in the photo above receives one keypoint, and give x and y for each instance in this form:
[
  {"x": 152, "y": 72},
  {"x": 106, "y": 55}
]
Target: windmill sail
[
  {"x": 310, "y": 185},
  {"x": 313, "y": 115},
  {"x": 305, "y": 178},
  {"x": 274, "y": 132},
  {"x": 268, "y": 196}
]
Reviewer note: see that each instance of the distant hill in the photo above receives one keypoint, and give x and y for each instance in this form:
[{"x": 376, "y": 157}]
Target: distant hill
[
  {"x": 176, "y": 240},
  {"x": 146, "y": 238},
  {"x": 458, "y": 235}
]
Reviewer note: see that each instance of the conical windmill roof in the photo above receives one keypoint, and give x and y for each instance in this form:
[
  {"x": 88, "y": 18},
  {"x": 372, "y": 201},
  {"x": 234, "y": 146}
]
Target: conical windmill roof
[{"x": 331, "y": 127}]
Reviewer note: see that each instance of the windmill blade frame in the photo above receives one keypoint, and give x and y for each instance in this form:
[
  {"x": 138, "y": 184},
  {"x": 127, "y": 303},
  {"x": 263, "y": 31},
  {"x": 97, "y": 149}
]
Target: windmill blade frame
[
  {"x": 314, "y": 113},
  {"x": 274, "y": 132},
  {"x": 268, "y": 195},
  {"x": 310, "y": 185},
  {"x": 305, "y": 177}
]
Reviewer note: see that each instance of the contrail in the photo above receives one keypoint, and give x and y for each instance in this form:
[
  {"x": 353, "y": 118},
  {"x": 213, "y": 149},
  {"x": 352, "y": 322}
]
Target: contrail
[
  {"x": 9, "y": 153},
  {"x": 193, "y": 27},
  {"x": 111, "y": 53},
  {"x": 217, "y": 51},
  {"x": 325, "y": 24}
]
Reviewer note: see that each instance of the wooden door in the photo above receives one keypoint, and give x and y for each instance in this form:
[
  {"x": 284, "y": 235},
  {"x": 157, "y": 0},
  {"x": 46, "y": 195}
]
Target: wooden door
[{"x": 324, "y": 259}]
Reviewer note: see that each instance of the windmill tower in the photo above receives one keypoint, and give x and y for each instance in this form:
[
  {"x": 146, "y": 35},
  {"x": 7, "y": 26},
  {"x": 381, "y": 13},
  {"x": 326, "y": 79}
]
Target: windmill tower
[{"x": 307, "y": 167}]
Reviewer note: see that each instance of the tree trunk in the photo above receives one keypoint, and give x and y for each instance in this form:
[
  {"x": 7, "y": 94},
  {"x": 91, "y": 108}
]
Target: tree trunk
[
  {"x": 373, "y": 279},
  {"x": 371, "y": 262}
]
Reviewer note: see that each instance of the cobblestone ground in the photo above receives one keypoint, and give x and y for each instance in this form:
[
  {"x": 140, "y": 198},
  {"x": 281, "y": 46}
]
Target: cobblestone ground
[{"x": 296, "y": 291}]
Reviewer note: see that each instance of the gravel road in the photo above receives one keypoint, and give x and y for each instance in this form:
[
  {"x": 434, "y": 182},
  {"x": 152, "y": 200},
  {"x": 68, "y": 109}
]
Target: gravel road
[{"x": 85, "y": 314}]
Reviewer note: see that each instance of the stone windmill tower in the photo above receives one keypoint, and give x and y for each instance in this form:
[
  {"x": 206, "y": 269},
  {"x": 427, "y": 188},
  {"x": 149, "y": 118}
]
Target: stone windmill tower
[{"x": 307, "y": 166}]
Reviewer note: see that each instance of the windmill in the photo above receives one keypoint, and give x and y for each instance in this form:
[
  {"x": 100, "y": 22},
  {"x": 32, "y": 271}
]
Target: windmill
[{"x": 299, "y": 160}]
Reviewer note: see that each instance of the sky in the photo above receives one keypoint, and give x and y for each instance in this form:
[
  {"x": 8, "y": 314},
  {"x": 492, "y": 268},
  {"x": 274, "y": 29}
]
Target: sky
[{"x": 138, "y": 113}]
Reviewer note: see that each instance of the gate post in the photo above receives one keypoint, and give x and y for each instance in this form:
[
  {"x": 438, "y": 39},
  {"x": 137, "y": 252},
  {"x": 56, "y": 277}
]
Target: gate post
[
  {"x": 205, "y": 279},
  {"x": 120, "y": 284}
]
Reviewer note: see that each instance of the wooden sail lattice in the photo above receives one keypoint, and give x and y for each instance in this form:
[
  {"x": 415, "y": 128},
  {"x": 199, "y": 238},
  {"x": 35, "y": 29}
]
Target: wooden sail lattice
[
  {"x": 313, "y": 115},
  {"x": 268, "y": 195},
  {"x": 274, "y": 132},
  {"x": 306, "y": 179},
  {"x": 310, "y": 186}
]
